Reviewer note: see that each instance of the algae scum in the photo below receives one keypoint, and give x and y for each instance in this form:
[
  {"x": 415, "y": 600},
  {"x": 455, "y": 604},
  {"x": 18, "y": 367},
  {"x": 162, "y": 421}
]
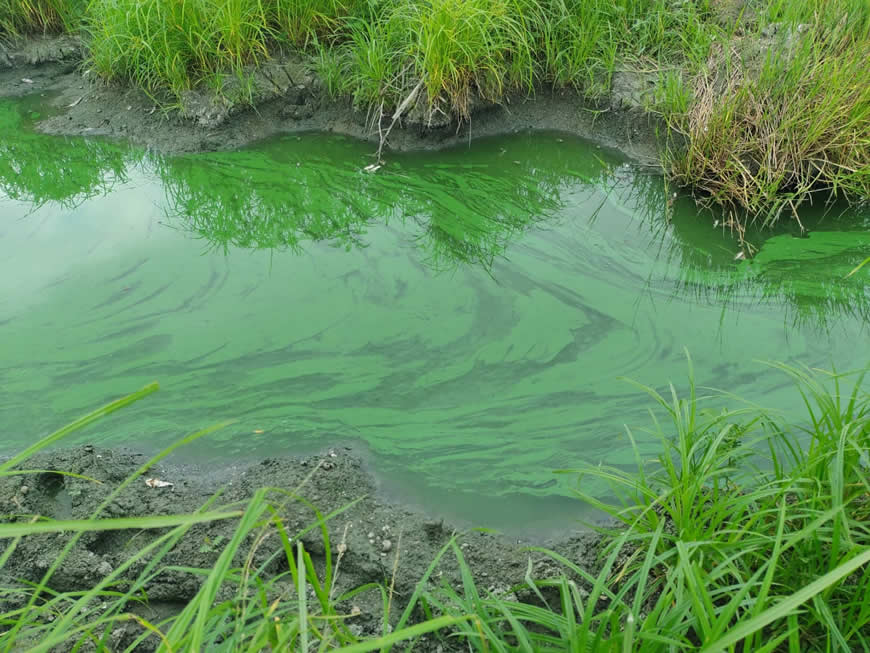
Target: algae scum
[{"x": 466, "y": 314}]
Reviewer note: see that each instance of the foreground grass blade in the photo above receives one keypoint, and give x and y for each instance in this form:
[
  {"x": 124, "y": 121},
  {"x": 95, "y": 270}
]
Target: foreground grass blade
[
  {"x": 80, "y": 423},
  {"x": 786, "y": 606},
  {"x": 121, "y": 523},
  {"x": 432, "y": 625},
  {"x": 62, "y": 624},
  {"x": 860, "y": 265}
]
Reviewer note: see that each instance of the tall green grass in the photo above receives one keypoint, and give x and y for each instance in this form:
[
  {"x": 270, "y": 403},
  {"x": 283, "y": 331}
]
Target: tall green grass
[
  {"x": 732, "y": 539},
  {"x": 39, "y": 16},
  {"x": 473, "y": 50},
  {"x": 166, "y": 46},
  {"x": 460, "y": 49}
]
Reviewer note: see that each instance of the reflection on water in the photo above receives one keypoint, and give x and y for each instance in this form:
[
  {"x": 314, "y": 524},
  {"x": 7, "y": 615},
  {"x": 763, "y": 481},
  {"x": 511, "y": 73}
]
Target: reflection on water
[
  {"x": 466, "y": 314},
  {"x": 66, "y": 172},
  {"x": 291, "y": 196},
  {"x": 242, "y": 199},
  {"x": 467, "y": 215}
]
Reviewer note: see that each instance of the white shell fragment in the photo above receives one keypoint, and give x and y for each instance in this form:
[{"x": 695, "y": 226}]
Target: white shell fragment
[
  {"x": 372, "y": 167},
  {"x": 156, "y": 482},
  {"x": 740, "y": 256}
]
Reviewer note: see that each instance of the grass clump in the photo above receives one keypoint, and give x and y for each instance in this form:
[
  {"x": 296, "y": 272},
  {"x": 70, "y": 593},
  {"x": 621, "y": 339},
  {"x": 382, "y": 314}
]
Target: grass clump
[
  {"x": 732, "y": 539},
  {"x": 456, "y": 51},
  {"x": 169, "y": 47},
  {"x": 19, "y": 17},
  {"x": 719, "y": 548},
  {"x": 483, "y": 50},
  {"x": 172, "y": 46},
  {"x": 460, "y": 46},
  {"x": 309, "y": 22},
  {"x": 782, "y": 117}
]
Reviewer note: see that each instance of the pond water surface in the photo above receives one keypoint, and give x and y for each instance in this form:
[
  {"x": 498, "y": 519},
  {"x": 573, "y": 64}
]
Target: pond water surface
[{"x": 466, "y": 315}]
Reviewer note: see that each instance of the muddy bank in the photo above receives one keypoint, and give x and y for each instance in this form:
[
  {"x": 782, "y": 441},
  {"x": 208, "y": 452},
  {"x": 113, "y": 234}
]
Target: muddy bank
[
  {"x": 380, "y": 535},
  {"x": 285, "y": 96}
]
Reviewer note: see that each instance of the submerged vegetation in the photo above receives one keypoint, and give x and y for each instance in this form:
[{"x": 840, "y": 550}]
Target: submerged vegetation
[
  {"x": 747, "y": 532},
  {"x": 766, "y": 102},
  {"x": 70, "y": 173}
]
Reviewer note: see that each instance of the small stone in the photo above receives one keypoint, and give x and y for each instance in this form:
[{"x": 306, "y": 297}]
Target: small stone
[
  {"x": 433, "y": 528},
  {"x": 24, "y": 489},
  {"x": 104, "y": 568},
  {"x": 371, "y": 535},
  {"x": 386, "y": 545}
]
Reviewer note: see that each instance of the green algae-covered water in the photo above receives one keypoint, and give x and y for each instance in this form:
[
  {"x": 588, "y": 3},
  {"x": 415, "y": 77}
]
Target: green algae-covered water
[{"x": 466, "y": 316}]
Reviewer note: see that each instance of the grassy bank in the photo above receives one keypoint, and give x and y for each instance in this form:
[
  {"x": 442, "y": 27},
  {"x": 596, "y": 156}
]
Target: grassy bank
[
  {"x": 767, "y": 102},
  {"x": 746, "y": 533}
]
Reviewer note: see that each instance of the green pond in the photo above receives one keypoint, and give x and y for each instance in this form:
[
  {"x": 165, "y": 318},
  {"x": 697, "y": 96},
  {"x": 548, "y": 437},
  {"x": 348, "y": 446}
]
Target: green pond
[{"x": 466, "y": 318}]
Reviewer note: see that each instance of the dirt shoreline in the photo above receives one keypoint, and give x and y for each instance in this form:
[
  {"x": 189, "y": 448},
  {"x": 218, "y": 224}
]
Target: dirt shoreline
[
  {"x": 376, "y": 530},
  {"x": 288, "y": 97}
]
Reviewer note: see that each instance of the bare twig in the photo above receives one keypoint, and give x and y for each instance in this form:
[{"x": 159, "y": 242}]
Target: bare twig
[{"x": 396, "y": 115}]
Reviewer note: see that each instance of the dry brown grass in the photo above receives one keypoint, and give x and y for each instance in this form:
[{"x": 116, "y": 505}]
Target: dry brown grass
[{"x": 791, "y": 122}]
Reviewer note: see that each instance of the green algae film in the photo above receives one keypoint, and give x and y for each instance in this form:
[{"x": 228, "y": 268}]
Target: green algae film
[{"x": 468, "y": 315}]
